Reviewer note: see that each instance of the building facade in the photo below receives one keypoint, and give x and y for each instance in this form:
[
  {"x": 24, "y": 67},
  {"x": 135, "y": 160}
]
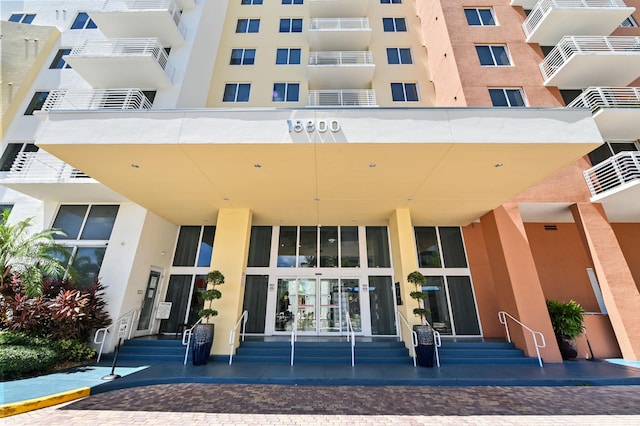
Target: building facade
[{"x": 318, "y": 151}]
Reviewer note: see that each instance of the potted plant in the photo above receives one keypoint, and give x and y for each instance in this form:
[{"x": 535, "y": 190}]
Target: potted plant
[
  {"x": 425, "y": 350},
  {"x": 204, "y": 332},
  {"x": 567, "y": 320}
]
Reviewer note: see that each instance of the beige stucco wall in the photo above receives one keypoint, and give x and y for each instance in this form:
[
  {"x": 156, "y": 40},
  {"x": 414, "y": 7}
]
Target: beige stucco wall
[{"x": 25, "y": 49}]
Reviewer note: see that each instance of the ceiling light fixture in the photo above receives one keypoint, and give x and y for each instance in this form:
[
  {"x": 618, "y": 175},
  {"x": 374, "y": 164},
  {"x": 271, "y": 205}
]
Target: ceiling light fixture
[
  {"x": 498, "y": 165},
  {"x": 372, "y": 165},
  {"x": 257, "y": 165},
  {"x": 135, "y": 166}
]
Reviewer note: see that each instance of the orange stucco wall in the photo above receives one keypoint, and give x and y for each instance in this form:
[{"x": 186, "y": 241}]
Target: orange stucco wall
[
  {"x": 458, "y": 77},
  {"x": 628, "y": 235},
  {"x": 566, "y": 185}
]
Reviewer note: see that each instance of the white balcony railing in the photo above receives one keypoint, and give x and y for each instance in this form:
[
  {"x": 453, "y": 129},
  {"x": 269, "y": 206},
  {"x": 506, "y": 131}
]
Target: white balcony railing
[
  {"x": 341, "y": 98},
  {"x": 596, "y": 98},
  {"x": 340, "y": 58},
  {"x": 41, "y": 165},
  {"x": 618, "y": 170},
  {"x": 109, "y": 99},
  {"x": 142, "y": 6},
  {"x": 543, "y": 7},
  {"x": 339, "y": 24},
  {"x": 122, "y": 48},
  {"x": 570, "y": 46}
]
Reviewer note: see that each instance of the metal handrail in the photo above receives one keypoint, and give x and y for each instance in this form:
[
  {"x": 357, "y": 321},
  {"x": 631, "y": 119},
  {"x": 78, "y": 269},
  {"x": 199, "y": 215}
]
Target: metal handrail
[
  {"x": 187, "y": 336},
  {"x": 620, "y": 169},
  {"x": 502, "y": 316},
  {"x": 131, "y": 317},
  {"x": 345, "y": 97},
  {"x": 95, "y": 99},
  {"x": 339, "y": 24},
  {"x": 414, "y": 337},
  {"x": 437, "y": 341},
  {"x": 232, "y": 333},
  {"x": 294, "y": 336},
  {"x": 597, "y": 98},
  {"x": 351, "y": 337},
  {"x": 42, "y": 165},
  {"x": 543, "y": 6},
  {"x": 341, "y": 58},
  {"x": 570, "y": 46}
]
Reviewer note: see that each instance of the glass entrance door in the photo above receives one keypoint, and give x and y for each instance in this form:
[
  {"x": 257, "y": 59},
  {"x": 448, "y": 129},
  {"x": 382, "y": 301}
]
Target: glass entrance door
[{"x": 317, "y": 306}]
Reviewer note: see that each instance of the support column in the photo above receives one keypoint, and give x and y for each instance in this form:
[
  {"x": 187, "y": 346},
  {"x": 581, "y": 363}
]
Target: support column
[
  {"x": 619, "y": 290},
  {"x": 516, "y": 279},
  {"x": 230, "y": 249},
  {"x": 405, "y": 261}
]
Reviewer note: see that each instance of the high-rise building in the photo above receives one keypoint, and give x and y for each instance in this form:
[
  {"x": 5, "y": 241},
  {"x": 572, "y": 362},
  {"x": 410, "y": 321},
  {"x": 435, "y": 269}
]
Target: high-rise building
[{"x": 316, "y": 152}]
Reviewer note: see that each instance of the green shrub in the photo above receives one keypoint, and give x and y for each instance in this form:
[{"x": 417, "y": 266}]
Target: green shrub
[
  {"x": 19, "y": 361},
  {"x": 73, "y": 350},
  {"x": 22, "y": 339}
]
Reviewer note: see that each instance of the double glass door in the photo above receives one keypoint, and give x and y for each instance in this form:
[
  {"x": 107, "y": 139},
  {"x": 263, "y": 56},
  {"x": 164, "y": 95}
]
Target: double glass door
[{"x": 317, "y": 306}]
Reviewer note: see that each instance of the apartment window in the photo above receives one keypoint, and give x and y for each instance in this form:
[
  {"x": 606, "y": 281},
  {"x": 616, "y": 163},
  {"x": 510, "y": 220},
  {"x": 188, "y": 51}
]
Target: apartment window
[
  {"x": 399, "y": 55},
  {"x": 83, "y": 22},
  {"x": 629, "y": 23},
  {"x": 36, "y": 102},
  {"x": 292, "y": 1},
  {"x": 394, "y": 24},
  {"x": 87, "y": 231},
  {"x": 291, "y": 25},
  {"x": 404, "y": 92},
  {"x": 12, "y": 151},
  {"x": 58, "y": 62},
  {"x": 22, "y": 18},
  {"x": 236, "y": 92},
  {"x": 609, "y": 149},
  {"x": 248, "y": 25},
  {"x": 390, "y": 1},
  {"x": 242, "y": 56},
  {"x": 493, "y": 55},
  {"x": 194, "y": 246},
  {"x": 251, "y": 2},
  {"x": 285, "y": 56},
  {"x": 477, "y": 16},
  {"x": 286, "y": 92},
  {"x": 507, "y": 97}
]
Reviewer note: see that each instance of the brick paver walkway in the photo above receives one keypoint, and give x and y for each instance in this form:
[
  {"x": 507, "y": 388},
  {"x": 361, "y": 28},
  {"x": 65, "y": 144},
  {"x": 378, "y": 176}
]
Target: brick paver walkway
[{"x": 199, "y": 404}]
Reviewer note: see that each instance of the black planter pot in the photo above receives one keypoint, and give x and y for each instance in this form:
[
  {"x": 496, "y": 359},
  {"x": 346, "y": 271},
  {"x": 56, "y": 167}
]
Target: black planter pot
[
  {"x": 426, "y": 349},
  {"x": 567, "y": 346},
  {"x": 201, "y": 342}
]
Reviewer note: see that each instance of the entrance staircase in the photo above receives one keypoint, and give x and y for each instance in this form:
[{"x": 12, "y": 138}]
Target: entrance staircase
[{"x": 329, "y": 351}]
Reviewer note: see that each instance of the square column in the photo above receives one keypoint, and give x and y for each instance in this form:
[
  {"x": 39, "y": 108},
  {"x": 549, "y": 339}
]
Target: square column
[
  {"x": 230, "y": 250},
  {"x": 516, "y": 280},
  {"x": 405, "y": 261},
  {"x": 619, "y": 290}
]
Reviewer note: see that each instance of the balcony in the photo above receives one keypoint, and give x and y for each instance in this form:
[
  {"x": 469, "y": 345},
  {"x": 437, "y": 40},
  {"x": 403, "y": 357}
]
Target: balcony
[
  {"x": 110, "y": 99},
  {"x": 141, "y": 19},
  {"x": 46, "y": 177},
  {"x": 578, "y": 62},
  {"x": 616, "y": 110},
  {"x": 550, "y": 20},
  {"x": 341, "y": 70},
  {"x": 339, "y": 34},
  {"x": 334, "y": 8},
  {"x": 616, "y": 183},
  {"x": 137, "y": 62},
  {"x": 342, "y": 98}
]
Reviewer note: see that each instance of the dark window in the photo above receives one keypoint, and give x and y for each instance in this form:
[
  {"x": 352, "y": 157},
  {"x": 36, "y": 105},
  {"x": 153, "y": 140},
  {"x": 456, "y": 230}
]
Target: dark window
[
  {"x": 83, "y": 22},
  {"x": 248, "y": 26},
  {"x": 99, "y": 223},
  {"x": 22, "y": 18},
  {"x": 399, "y": 55},
  {"x": 507, "y": 97},
  {"x": 36, "y": 102},
  {"x": 286, "y": 92},
  {"x": 404, "y": 92},
  {"x": 377, "y": 247},
  {"x": 58, "y": 61},
  {"x": 236, "y": 92},
  {"x": 291, "y": 25},
  {"x": 480, "y": 16},
  {"x": 288, "y": 56},
  {"x": 12, "y": 151},
  {"x": 251, "y": 2},
  {"x": 259, "y": 246},
  {"x": 394, "y": 24},
  {"x": 242, "y": 56}
]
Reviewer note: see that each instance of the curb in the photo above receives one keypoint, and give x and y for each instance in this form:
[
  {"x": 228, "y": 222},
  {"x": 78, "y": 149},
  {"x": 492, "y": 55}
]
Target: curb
[{"x": 20, "y": 407}]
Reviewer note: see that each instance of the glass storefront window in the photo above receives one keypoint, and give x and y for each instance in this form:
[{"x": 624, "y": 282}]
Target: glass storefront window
[
  {"x": 287, "y": 247},
  {"x": 87, "y": 262},
  {"x": 436, "y": 302},
  {"x": 463, "y": 306},
  {"x": 206, "y": 246},
  {"x": 187, "y": 246},
  {"x": 381, "y": 304},
  {"x": 350, "y": 247},
  {"x": 259, "y": 246},
  {"x": 308, "y": 257},
  {"x": 69, "y": 220},
  {"x": 427, "y": 246},
  {"x": 378, "y": 247},
  {"x": 452, "y": 247},
  {"x": 329, "y": 247},
  {"x": 99, "y": 223}
]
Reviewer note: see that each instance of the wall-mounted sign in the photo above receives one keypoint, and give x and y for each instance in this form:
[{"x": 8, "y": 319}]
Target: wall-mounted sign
[
  {"x": 164, "y": 310},
  {"x": 310, "y": 126}
]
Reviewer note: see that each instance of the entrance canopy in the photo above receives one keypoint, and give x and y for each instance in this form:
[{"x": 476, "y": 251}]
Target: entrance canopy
[{"x": 321, "y": 166}]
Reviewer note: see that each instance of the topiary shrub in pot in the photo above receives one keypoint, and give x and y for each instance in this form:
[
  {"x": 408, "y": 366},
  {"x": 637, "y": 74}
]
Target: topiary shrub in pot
[
  {"x": 203, "y": 333},
  {"x": 425, "y": 350},
  {"x": 567, "y": 320}
]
